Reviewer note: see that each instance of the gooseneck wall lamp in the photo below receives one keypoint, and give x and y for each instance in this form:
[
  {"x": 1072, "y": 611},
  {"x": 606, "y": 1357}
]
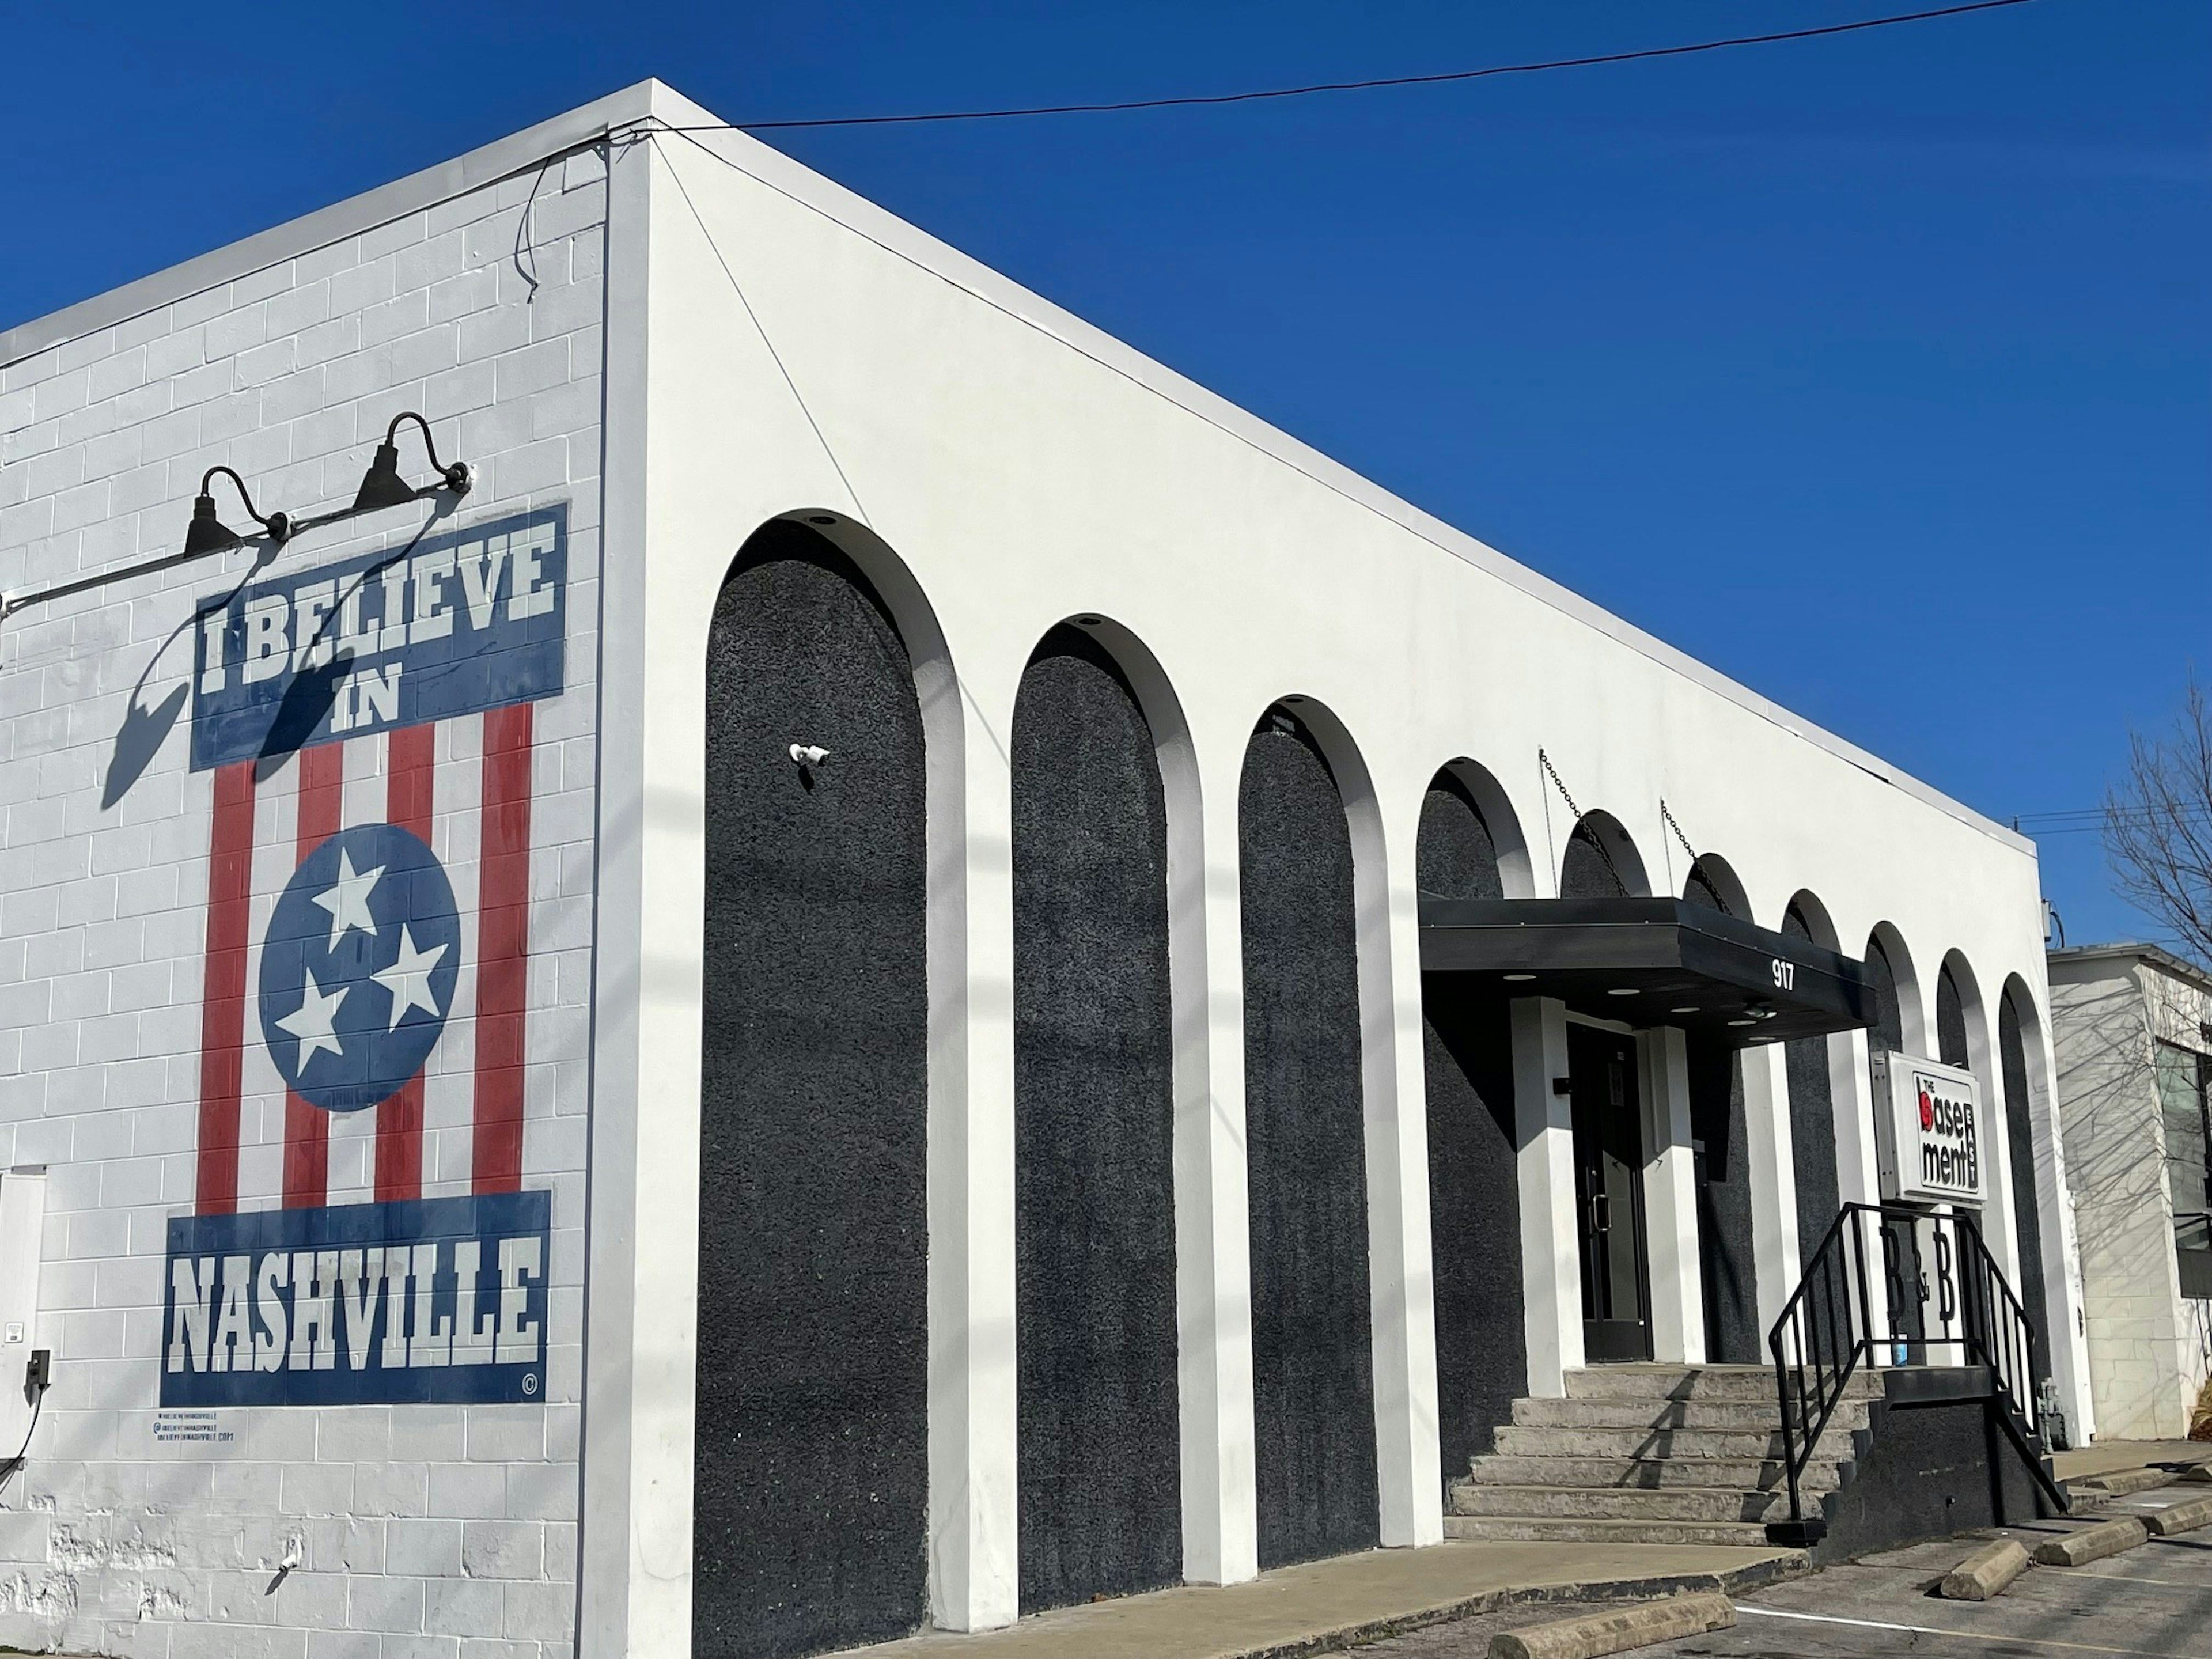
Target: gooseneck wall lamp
[
  {"x": 381, "y": 486},
  {"x": 384, "y": 487},
  {"x": 209, "y": 534}
]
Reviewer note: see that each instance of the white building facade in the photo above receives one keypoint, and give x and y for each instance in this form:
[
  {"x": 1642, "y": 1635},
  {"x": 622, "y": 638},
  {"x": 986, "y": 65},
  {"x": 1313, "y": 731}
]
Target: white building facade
[
  {"x": 2133, "y": 1030},
  {"x": 882, "y": 834}
]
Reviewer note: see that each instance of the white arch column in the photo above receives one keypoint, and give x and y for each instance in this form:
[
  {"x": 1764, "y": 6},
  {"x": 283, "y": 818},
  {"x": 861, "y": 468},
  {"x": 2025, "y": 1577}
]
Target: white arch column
[
  {"x": 1670, "y": 1201},
  {"x": 1551, "y": 1244},
  {"x": 1213, "y": 1238},
  {"x": 1773, "y": 1175},
  {"x": 975, "y": 1550}
]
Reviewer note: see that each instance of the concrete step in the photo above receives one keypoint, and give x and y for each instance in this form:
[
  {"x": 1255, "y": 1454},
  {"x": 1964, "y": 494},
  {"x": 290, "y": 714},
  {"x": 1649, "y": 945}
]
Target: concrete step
[
  {"x": 1737, "y": 1475},
  {"x": 1693, "y": 1443},
  {"x": 1740, "y": 1415},
  {"x": 1618, "y": 1503},
  {"x": 1748, "y": 1383},
  {"x": 1745, "y": 1534}
]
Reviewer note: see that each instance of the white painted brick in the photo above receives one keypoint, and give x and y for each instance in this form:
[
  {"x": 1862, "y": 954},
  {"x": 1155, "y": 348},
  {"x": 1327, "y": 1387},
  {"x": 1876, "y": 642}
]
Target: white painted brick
[
  {"x": 540, "y": 1612},
  {"x": 267, "y": 373},
  {"x": 424, "y": 1547},
  {"x": 466, "y": 1606}
]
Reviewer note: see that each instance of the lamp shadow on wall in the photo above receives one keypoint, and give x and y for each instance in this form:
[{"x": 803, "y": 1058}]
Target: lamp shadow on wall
[
  {"x": 306, "y": 701},
  {"x": 144, "y": 730}
]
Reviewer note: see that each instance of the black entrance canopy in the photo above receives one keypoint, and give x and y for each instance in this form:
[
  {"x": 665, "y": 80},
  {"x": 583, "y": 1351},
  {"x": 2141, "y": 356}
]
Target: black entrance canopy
[{"x": 1649, "y": 962}]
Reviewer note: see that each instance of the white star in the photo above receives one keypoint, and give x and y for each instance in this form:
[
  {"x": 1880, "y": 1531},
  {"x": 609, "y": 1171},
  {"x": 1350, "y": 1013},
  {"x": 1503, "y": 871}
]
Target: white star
[
  {"x": 347, "y": 901},
  {"x": 312, "y": 1023},
  {"x": 408, "y": 979}
]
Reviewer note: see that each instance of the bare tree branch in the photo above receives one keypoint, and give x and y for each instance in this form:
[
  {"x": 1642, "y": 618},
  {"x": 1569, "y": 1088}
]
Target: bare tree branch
[{"x": 2158, "y": 826}]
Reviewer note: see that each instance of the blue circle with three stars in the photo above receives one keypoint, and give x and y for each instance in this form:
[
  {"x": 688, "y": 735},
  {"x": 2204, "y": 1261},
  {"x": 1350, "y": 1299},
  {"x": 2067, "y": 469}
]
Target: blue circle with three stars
[{"x": 359, "y": 966}]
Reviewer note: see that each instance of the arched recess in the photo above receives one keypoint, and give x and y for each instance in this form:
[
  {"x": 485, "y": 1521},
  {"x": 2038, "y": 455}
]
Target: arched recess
[
  {"x": 1602, "y": 861},
  {"x": 1304, "y": 1097},
  {"x": 2026, "y": 1099},
  {"x": 811, "y": 1460},
  {"x": 1099, "y": 1494},
  {"x": 1720, "y": 1136},
  {"x": 1955, "y": 1011},
  {"x": 1899, "y": 1021},
  {"x": 1469, "y": 848},
  {"x": 1898, "y": 1028},
  {"x": 1713, "y": 881},
  {"x": 1811, "y": 1100}
]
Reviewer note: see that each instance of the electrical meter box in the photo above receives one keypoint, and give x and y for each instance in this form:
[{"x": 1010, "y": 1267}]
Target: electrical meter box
[
  {"x": 23, "y": 1221},
  {"x": 1928, "y": 1122}
]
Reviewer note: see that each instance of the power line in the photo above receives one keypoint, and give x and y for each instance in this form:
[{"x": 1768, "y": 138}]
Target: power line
[{"x": 1355, "y": 86}]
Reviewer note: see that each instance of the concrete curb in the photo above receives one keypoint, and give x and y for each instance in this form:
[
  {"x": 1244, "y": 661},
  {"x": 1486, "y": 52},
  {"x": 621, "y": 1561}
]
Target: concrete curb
[
  {"x": 1986, "y": 1572},
  {"x": 1616, "y": 1630},
  {"x": 2120, "y": 1483},
  {"x": 2092, "y": 1543},
  {"x": 2187, "y": 1515},
  {"x": 1735, "y": 1582}
]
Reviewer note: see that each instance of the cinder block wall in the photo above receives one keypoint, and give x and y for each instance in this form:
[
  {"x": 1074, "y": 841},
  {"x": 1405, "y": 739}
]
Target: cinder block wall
[{"x": 430, "y": 1530}]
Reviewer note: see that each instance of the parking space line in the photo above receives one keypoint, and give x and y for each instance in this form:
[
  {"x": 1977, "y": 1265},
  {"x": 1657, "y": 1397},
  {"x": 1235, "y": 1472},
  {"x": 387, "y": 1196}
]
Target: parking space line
[{"x": 1938, "y": 1630}]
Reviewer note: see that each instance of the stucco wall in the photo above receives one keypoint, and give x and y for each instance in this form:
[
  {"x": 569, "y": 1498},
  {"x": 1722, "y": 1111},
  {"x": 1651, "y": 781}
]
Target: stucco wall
[
  {"x": 999, "y": 467},
  {"x": 423, "y": 1530}
]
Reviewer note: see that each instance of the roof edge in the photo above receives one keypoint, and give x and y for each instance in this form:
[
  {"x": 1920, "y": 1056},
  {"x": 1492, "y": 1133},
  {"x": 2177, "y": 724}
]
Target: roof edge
[
  {"x": 653, "y": 99},
  {"x": 484, "y": 165},
  {"x": 770, "y": 167},
  {"x": 2156, "y": 956}
]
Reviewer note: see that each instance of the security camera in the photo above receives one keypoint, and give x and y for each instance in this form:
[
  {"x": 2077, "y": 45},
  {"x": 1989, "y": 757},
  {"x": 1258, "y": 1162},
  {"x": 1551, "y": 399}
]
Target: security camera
[{"x": 808, "y": 754}]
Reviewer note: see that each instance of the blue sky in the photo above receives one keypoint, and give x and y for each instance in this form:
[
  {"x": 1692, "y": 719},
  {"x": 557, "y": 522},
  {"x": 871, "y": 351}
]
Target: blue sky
[{"x": 1875, "y": 370}]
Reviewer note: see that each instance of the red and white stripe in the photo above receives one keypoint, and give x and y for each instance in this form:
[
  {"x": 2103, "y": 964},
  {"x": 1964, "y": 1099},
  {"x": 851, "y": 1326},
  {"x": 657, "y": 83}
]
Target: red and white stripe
[{"x": 464, "y": 785}]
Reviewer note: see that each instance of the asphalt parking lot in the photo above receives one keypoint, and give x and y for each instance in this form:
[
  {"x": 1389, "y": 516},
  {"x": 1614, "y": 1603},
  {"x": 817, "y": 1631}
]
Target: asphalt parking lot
[{"x": 2155, "y": 1600}]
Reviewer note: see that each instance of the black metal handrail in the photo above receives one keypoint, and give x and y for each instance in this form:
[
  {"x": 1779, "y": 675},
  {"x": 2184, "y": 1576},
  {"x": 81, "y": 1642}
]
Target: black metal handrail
[{"x": 1829, "y": 1326}]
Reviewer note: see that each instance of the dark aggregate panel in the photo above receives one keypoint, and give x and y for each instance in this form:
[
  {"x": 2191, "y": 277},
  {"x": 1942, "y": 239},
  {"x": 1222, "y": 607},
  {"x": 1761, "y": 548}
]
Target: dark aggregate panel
[
  {"x": 812, "y": 1506},
  {"x": 1588, "y": 870},
  {"x": 1950, "y": 1020},
  {"x": 1724, "y": 1215},
  {"x": 1474, "y": 1193},
  {"x": 1888, "y": 1017},
  {"x": 1094, "y": 1122},
  {"x": 1812, "y": 1128},
  {"x": 1927, "y": 1471},
  {"x": 1888, "y": 1033},
  {"x": 1727, "y": 1266},
  {"x": 1312, "y": 1349},
  {"x": 2027, "y": 1209}
]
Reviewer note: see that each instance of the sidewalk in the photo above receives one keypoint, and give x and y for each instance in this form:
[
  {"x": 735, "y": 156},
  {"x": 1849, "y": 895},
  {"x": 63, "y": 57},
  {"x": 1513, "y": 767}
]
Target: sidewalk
[
  {"x": 2109, "y": 1456},
  {"x": 1327, "y": 1604}
]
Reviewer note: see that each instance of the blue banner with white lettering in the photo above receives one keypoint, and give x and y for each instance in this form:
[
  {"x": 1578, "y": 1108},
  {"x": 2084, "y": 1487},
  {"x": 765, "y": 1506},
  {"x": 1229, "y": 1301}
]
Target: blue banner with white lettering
[
  {"x": 453, "y": 624},
  {"x": 399, "y": 1302}
]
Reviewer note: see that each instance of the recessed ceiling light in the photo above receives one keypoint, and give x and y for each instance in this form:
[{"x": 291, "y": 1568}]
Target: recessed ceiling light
[
  {"x": 1622, "y": 991},
  {"x": 1743, "y": 1022},
  {"x": 1518, "y": 978},
  {"x": 1681, "y": 1011}
]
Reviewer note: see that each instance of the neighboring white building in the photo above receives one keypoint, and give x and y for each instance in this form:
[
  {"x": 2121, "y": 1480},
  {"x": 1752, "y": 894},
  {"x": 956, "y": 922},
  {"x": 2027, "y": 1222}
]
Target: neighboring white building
[
  {"x": 805, "y": 1012},
  {"x": 2132, "y": 1025}
]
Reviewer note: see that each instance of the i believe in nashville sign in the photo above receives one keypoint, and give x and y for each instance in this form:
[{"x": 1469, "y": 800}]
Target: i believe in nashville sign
[{"x": 361, "y": 960}]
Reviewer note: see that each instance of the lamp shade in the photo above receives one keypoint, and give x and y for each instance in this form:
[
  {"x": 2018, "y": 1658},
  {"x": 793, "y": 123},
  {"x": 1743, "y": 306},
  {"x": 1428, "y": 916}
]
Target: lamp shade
[
  {"x": 383, "y": 486},
  {"x": 207, "y": 533}
]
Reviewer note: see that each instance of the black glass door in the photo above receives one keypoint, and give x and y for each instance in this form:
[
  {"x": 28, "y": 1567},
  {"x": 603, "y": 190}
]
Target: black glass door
[{"x": 1609, "y": 1194}]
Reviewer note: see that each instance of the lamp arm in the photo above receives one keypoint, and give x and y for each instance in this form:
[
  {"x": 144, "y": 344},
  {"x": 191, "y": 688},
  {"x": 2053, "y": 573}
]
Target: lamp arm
[
  {"x": 276, "y": 523},
  {"x": 457, "y": 475}
]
